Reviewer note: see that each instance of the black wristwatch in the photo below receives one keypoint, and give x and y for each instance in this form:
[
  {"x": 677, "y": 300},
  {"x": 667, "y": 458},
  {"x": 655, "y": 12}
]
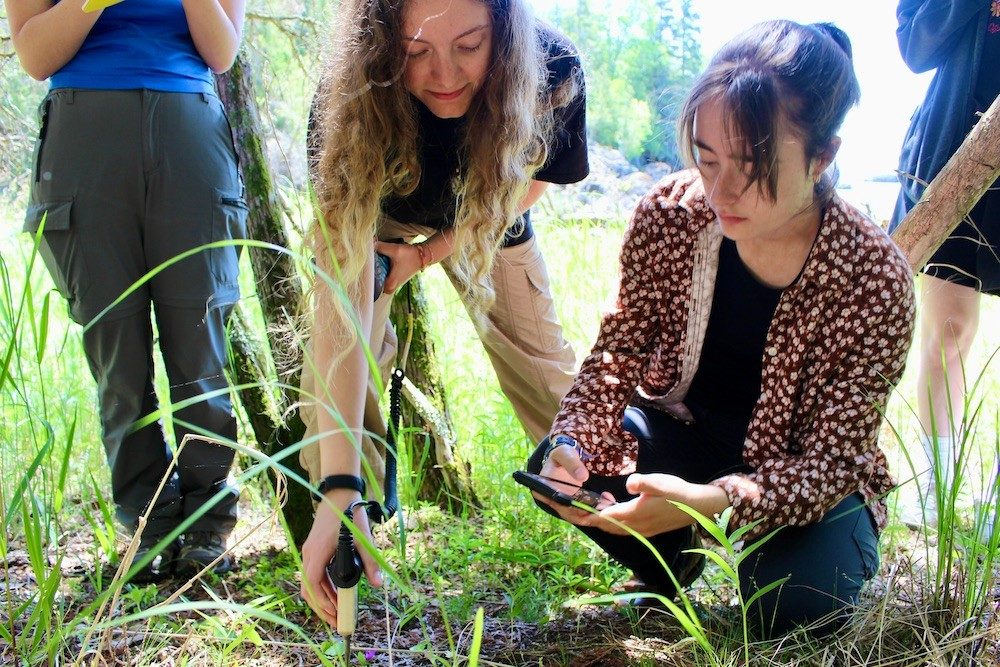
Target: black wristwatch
[{"x": 331, "y": 482}]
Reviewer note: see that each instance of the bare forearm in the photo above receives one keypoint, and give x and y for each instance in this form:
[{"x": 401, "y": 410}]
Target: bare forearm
[
  {"x": 340, "y": 413},
  {"x": 47, "y": 36},
  {"x": 341, "y": 383},
  {"x": 709, "y": 500},
  {"x": 216, "y": 28}
]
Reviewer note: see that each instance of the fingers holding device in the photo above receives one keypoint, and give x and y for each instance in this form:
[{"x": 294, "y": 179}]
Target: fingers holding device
[{"x": 559, "y": 491}]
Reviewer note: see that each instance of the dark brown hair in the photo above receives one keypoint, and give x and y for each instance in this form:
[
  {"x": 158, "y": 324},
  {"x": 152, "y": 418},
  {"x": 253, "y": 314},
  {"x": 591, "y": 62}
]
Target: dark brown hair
[{"x": 774, "y": 70}]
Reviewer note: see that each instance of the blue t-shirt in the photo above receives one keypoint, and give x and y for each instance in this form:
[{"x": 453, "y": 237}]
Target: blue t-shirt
[{"x": 138, "y": 44}]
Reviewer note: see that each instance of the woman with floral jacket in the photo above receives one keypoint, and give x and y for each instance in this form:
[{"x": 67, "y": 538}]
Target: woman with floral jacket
[{"x": 760, "y": 324}]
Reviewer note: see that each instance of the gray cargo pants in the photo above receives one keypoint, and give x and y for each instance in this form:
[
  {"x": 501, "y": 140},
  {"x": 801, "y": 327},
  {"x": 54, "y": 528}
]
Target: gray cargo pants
[{"x": 126, "y": 180}]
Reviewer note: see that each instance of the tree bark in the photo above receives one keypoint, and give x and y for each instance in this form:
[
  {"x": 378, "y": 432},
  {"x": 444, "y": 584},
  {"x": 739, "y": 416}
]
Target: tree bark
[
  {"x": 273, "y": 428},
  {"x": 441, "y": 478},
  {"x": 953, "y": 192},
  {"x": 279, "y": 290}
]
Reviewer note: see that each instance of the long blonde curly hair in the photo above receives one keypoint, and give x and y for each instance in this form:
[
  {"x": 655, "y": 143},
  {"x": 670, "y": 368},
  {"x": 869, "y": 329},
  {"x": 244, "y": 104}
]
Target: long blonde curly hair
[{"x": 368, "y": 141}]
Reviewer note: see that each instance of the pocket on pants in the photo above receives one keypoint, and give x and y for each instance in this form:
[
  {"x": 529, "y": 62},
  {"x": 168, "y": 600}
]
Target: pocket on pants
[
  {"x": 538, "y": 277},
  {"x": 524, "y": 311},
  {"x": 229, "y": 222},
  {"x": 59, "y": 246},
  {"x": 866, "y": 540}
]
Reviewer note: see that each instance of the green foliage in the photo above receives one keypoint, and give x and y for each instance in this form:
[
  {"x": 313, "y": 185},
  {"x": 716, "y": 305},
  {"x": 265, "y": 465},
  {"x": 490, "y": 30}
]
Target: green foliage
[
  {"x": 639, "y": 58},
  {"x": 511, "y": 561},
  {"x": 962, "y": 546},
  {"x": 515, "y": 562}
]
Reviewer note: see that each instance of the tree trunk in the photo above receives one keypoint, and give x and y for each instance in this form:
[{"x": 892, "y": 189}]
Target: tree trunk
[
  {"x": 426, "y": 422},
  {"x": 953, "y": 192},
  {"x": 271, "y": 429},
  {"x": 280, "y": 293}
]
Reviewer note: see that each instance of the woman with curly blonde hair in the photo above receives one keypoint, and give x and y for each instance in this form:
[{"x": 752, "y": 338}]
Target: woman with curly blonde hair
[{"x": 440, "y": 120}]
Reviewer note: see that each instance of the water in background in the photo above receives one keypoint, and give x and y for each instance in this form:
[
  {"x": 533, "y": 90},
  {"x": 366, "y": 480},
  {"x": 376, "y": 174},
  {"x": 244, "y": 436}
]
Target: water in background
[{"x": 874, "y": 198}]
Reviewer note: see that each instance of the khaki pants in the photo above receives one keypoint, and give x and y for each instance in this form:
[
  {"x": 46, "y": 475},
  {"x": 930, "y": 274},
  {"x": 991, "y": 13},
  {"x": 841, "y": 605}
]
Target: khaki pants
[{"x": 522, "y": 336}]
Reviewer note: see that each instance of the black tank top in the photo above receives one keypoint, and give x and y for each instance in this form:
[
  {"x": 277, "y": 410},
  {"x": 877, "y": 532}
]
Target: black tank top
[{"x": 727, "y": 382}]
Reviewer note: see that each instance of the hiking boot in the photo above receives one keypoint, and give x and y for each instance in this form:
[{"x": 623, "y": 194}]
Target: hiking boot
[
  {"x": 202, "y": 548},
  {"x": 163, "y": 564}
]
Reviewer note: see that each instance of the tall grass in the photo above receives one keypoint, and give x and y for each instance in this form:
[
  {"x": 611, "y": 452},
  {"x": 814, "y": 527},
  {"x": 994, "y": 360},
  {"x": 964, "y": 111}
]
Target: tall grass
[
  {"x": 516, "y": 564},
  {"x": 35, "y": 426},
  {"x": 960, "y": 552},
  {"x": 44, "y": 625}
]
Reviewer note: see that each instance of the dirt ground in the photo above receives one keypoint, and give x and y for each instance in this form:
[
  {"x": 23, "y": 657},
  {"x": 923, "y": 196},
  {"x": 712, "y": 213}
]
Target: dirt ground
[{"x": 607, "y": 636}]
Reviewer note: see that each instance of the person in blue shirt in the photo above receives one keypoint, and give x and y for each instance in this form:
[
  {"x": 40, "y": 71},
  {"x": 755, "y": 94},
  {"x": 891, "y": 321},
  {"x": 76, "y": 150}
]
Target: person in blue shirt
[{"x": 134, "y": 165}]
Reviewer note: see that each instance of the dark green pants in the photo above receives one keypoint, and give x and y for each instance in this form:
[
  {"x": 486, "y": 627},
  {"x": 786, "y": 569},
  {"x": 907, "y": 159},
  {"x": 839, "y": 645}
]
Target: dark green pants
[
  {"x": 826, "y": 562},
  {"x": 126, "y": 180}
]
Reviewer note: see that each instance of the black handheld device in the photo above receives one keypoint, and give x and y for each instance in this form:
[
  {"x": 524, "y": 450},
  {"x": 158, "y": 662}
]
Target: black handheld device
[
  {"x": 345, "y": 568},
  {"x": 383, "y": 265},
  {"x": 559, "y": 491}
]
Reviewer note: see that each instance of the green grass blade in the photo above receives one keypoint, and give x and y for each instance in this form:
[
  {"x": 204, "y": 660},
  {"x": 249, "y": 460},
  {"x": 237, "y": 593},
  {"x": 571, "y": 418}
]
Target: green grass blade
[
  {"x": 60, "y": 490},
  {"x": 710, "y": 527},
  {"x": 477, "y": 639},
  {"x": 764, "y": 591},
  {"x": 22, "y": 485},
  {"x": 718, "y": 559},
  {"x": 43, "y": 329}
]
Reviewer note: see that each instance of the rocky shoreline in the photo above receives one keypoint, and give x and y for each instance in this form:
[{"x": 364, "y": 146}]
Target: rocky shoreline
[{"x": 610, "y": 192}]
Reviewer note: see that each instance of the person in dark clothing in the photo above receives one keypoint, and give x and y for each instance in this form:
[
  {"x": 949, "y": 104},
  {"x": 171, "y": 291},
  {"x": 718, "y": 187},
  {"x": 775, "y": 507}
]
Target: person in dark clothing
[
  {"x": 961, "y": 40},
  {"x": 135, "y": 165},
  {"x": 438, "y": 124}
]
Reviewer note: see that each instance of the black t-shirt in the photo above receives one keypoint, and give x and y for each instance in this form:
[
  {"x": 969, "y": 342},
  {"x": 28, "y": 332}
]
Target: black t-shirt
[
  {"x": 727, "y": 382},
  {"x": 432, "y": 203},
  {"x": 988, "y": 80}
]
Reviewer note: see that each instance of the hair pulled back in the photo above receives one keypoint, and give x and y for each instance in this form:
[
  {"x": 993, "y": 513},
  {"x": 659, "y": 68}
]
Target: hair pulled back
[{"x": 778, "y": 70}]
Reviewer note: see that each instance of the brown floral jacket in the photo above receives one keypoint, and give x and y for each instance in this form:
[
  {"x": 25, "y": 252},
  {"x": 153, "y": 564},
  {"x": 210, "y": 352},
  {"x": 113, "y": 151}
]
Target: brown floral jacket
[{"x": 836, "y": 346}]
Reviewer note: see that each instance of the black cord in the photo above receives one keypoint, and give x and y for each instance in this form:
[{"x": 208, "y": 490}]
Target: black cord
[{"x": 379, "y": 513}]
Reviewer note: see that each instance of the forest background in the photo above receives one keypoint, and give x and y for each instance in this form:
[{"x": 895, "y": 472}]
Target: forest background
[{"x": 934, "y": 600}]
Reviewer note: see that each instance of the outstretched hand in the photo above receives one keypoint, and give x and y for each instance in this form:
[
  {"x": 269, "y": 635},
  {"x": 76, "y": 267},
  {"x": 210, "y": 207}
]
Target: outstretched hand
[
  {"x": 651, "y": 512},
  {"x": 317, "y": 589}
]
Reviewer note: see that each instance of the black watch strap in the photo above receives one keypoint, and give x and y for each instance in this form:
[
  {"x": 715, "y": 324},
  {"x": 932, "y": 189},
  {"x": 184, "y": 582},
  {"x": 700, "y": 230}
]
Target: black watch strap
[
  {"x": 331, "y": 482},
  {"x": 558, "y": 441}
]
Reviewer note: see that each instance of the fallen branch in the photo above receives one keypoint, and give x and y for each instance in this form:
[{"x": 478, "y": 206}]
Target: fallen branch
[{"x": 954, "y": 191}]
